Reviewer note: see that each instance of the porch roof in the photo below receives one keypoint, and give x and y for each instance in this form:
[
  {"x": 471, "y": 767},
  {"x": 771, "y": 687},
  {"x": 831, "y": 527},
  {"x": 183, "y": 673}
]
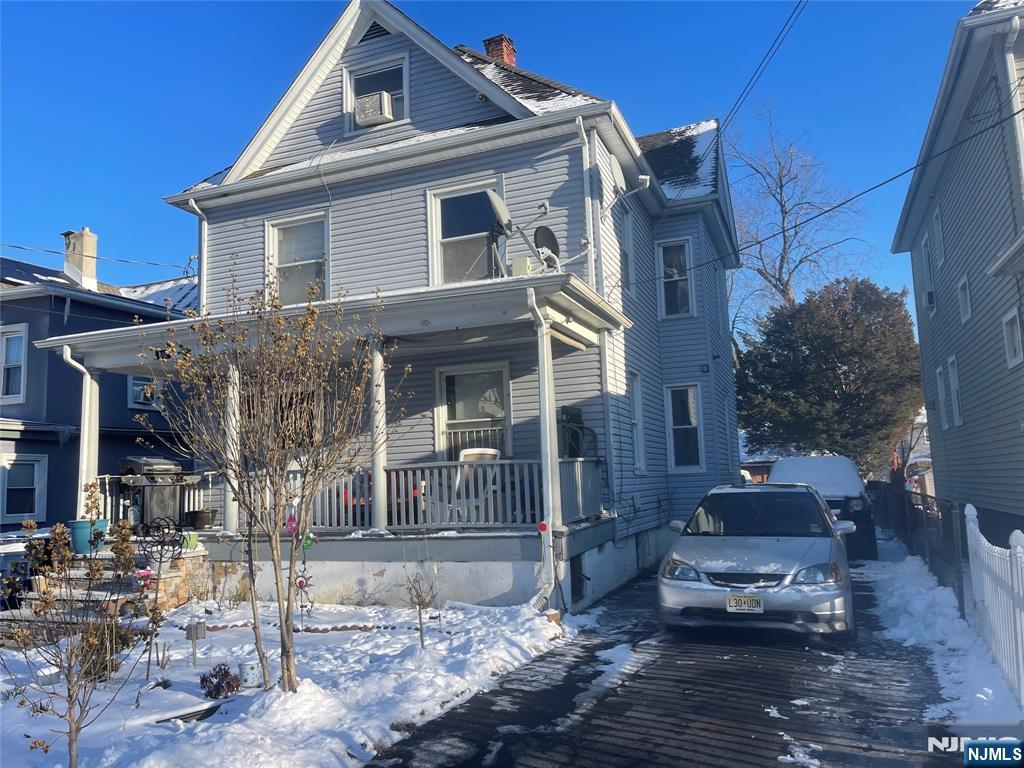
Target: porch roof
[{"x": 575, "y": 311}]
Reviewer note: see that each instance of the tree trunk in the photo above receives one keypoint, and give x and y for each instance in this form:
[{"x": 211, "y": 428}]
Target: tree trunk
[
  {"x": 289, "y": 678},
  {"x": 254, "y": 604},
  {"x": 72, "y": 741},
  {"x": 419, "y": 611}
]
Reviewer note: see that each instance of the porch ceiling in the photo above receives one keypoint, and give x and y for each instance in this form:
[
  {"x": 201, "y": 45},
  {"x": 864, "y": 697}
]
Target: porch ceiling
[{"x": 577, "y": 314}]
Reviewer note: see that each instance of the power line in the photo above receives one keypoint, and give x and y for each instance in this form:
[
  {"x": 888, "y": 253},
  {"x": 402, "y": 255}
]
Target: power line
[{"x": 36, "y": 249}]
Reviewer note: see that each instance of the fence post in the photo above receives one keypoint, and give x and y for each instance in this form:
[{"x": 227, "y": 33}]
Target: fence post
[
  {"x": 908, "y": 514},
  {"x": 1017, "y": 612},
  {"x": 958, "y": 559}
]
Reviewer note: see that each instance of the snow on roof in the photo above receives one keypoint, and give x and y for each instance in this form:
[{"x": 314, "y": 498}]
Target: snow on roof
[
  {"x": 23, "y": 273},
  {"x": 991, "y": 6},
  {"x": 182, "y": 293},
  {"x": 833, "y": 476},
  {"x": 684, "y": 159},
  {"x": 213, "y": 180}
]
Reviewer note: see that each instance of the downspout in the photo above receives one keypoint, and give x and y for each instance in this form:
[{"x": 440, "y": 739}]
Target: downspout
[
  {"x": 588, "y": 212},
  {"x": 203, "y": 224},
  {"x": 1015, "y": 104},
  {"x": 83, "y": 453},
  {"x": 547, "y": 544}
]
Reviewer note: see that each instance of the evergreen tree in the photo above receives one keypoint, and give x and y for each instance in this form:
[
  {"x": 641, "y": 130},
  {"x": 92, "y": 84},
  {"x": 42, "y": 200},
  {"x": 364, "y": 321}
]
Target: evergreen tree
[{"x": 837, "y": 373}]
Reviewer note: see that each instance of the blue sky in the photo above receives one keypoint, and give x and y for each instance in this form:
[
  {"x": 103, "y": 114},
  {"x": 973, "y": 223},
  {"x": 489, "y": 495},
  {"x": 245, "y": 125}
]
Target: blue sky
[{"x": 108, "y": 107}]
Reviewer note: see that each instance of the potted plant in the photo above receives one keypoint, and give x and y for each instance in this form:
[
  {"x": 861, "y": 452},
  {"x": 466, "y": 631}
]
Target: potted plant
[
  {"x": 88, "y": 533},
  {"x": 201, "y": 519}
]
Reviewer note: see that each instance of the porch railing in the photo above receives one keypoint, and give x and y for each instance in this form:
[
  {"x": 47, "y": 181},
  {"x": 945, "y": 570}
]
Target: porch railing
[{"x": 581, "y": 488}]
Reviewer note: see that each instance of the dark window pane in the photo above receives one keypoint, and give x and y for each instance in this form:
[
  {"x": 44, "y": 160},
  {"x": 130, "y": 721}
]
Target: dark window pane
[
  {"x": 474, "y": 396},
  {"x": 466, "y": 215},
  {"x": 684, "y": 408},
  {"x": 12, "y": 380},
  {"x": 677, "y": 297},
  {"x": 14, "y": 349},
  {"x": 389, "y": 80},
  {"x": 674, "y": 260},
  {"x": 21, "y": 501},
  {"x": 686, "y": 447},
  {"x": 469, "y": 259},
  {"x": 21, "y": 474}
]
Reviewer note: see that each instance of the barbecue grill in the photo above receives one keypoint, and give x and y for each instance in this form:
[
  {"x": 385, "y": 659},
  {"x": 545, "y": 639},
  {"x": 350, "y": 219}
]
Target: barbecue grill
[{"x": 157, "y": 485}]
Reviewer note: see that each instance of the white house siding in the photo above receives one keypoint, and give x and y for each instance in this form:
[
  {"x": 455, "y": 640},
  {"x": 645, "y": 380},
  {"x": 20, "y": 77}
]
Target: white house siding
[
  {"x": 980, "y": 461},
  {"x": 437, "y": 100},
  {"x": 379, "y": 234}
]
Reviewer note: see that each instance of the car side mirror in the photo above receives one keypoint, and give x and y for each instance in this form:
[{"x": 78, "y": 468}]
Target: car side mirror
[
  {"x": 677, "y": 525},
  {"x": 844, "y": 527}
]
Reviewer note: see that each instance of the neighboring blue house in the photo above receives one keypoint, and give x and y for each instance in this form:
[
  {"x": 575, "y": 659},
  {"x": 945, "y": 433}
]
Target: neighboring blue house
[
  {"x": 602, "y": 375},
  {"x": 40, "y": 394}
]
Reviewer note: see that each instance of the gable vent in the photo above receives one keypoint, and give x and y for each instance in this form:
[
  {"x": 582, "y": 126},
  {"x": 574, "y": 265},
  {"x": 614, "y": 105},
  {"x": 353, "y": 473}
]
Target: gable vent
[{"x": 375, "y": 31}]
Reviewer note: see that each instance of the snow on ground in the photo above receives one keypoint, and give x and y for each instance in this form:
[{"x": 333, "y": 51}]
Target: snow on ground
[
  {"x": 916, "y": 611},
  {"x": 356, "y": 684},
  {"x": 799, "y": 754}
]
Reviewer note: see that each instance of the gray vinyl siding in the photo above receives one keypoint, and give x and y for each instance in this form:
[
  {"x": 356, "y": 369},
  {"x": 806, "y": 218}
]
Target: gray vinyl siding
[
  {"x": 379, "y": 224},
  {"x": 437, "y": 100},
  {"x": 977, "y": 196}
]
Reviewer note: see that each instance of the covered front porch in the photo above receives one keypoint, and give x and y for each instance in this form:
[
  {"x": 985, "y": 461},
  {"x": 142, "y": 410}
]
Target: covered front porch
[{"x": 509, "y": 366}]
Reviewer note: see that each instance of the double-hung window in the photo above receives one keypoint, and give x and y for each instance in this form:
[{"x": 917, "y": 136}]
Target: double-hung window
[
  {"x": 23, "y": 478},
  {"x": 465, "y": 244},
  {"x": 636, "y": 415},
  {"x": 626, "y": 256},
  {"x": 474, "y": 409},
  {"x": 387, "y": 77},
  {"x": 963, "y": 298},
  {"x": 682, "y": 407},
  {"x": 1012, "y": 338},
  {"x": 13, "y": 344},
  {"x": 140, "y": 393},
  {"x": 298, "y": 257},
  {"x": 676, "y": 285},
  {"x": 940, "y": 387},
  {"x": 954, "y": 391}
]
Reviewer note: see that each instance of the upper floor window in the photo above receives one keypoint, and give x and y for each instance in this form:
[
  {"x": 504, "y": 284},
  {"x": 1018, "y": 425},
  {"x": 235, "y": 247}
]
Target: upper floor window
[
  {"x": 1012, "y": 338},
  {"x": 12, "y": 354},
  {"x": 682, "y": 407},
  {"x": 636, "y": 410},
  {"x": 963, "y": 297},
  {"x": 676, "y": 285},
  {"x": 140, "y": 392},
  {"x": 23, "y": 477},
  {"x": 465, "y": 247},
  {"x": 626, "y": 279},
  {"x": 938, "y": 246},
  {"x": 940, "y": 385},
  {"x": 297, "y": 251},
  {"x": 954, "y": 391},
  {"x": 390, "y": 78},
  {"x": 927, "y": 256}
]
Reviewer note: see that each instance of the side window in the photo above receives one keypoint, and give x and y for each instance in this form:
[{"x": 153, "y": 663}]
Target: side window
[
  {"x": 682, "y": 408},
  {"x": 626, "y": 255},
  {"x": 297, "y": 256},
  {"x": 940, "y": 384},
  {"x": 13, "y": 345},
  {"x": 676, "y": 285},
  {"x": 1012, "y": 338}
]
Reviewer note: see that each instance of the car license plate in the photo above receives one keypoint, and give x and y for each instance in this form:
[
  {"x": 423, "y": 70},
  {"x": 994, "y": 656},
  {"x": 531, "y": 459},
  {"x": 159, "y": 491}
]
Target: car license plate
[{"x": 744, "y": 604}]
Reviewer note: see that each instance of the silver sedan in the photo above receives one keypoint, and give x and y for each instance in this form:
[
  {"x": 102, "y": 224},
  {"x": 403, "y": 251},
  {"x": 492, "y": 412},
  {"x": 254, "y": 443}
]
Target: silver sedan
[{"x": 769, "y": 555}]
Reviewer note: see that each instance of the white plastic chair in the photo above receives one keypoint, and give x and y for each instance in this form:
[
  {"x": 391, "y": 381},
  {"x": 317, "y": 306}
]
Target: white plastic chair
[{"x": 473, "y": 488}]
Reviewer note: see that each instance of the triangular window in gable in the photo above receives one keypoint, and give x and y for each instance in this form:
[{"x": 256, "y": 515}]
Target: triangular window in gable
[{"x": 374, "y": 31}]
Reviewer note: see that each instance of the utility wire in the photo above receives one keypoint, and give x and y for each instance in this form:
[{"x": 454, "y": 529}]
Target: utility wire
[{"x": 89, "y": 256}]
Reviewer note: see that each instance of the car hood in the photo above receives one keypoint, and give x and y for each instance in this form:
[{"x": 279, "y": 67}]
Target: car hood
[{"x": 741, "y": 554}]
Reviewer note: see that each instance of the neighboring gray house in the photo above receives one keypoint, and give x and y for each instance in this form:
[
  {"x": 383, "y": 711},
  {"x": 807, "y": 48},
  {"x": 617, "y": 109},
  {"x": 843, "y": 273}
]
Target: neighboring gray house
[
  {"x": 605, "y": 380},
  {"x": 963, "y": 222},
  {"x": 40, "y": 406}
]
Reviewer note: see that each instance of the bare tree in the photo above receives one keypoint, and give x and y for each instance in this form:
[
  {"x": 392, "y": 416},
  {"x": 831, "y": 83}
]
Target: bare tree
[
  {"x": 778, "y": 186},
  {"x": 73, "y": 640},
  {"x": 421, "y": 595},
  {"x": 294, "y": 386}
]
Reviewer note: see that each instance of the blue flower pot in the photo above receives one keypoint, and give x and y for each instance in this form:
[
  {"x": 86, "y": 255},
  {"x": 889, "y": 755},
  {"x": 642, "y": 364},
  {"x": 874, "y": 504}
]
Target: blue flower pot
[{"x": 81, "y": 533}]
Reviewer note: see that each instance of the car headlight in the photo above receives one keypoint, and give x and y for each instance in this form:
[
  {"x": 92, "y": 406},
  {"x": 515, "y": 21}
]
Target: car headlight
[
  {"x": 823, "y": 573},
  {"x": 856, "y": 505},
  {"x": 677, "y": 570}
]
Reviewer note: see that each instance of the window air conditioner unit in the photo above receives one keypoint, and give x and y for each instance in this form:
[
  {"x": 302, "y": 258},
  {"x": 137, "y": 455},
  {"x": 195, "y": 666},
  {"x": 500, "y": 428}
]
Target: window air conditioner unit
[
  {"x": 374, "y": 109},
  {"x": 929, "y": 299}
]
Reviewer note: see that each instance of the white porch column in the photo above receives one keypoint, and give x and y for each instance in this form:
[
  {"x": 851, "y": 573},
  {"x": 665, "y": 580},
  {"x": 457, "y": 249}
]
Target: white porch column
[
  {"x": 231, "y": 417},
  {"x": 550, "y": 477},
  {"x": 378, "y": 434}
]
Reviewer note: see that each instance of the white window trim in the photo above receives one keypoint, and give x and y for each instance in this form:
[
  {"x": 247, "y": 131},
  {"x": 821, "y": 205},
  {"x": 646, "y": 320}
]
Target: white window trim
[
  {"x": 440, "y": 406},
  {"x": 940, "y": 382},
  {"x": 434, "y": 197},
  {"x": 690, "y": 274},
  {"x": 1012, "y": 362},
  {"x": 965, "y": 284},
  {"x": 636, "y": 415},
  {"x": 15, "y": 329},
  {"x": 270, "y": 247},
  {"x": 670, "y": 444},
  {"x": 927, "y": 254},
  {"x": 956, "y": 398},
  {"x": 132, "y": 404},
  {"x": 41, "y": 480},
  {"x": 348, "y": 102},
  {"x": 629, "y": 239}
]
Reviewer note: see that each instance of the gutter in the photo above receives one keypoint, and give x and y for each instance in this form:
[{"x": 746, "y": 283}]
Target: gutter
[
  {"x": 100, "y": 299},
  {"x": 1015, "y": 102},
  {"x": 547, "y": 544},
  {"x": 203, "y": 227}
]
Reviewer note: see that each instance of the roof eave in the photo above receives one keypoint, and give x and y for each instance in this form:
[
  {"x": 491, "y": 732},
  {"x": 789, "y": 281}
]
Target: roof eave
[{"x": 100, "y": 299}]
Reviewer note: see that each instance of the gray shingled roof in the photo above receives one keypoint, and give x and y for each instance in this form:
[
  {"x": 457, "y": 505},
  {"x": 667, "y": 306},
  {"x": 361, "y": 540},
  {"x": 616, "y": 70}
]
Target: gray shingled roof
[
  {"x": 684, "y": 159},
  {"x": 991, "y": 6}
]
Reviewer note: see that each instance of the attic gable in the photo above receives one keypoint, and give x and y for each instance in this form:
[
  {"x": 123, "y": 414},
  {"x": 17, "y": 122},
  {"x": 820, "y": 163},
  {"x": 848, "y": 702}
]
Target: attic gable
[{"x": 350, "y": 30}]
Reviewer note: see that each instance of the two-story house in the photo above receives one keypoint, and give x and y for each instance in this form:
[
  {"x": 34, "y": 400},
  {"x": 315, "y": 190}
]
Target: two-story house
[
  {"x": 963, "y": 223},
  {"x": 556, "y": 284},
  {"x": 40, "y": 402}
]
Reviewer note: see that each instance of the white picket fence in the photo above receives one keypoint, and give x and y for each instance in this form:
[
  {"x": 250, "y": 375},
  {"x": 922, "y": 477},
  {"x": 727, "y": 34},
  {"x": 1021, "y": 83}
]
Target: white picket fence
[{"x": 997, "y": 580}]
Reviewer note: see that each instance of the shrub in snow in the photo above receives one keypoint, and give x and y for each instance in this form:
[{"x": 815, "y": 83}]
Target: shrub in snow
[{"x": 220, "y": 682}]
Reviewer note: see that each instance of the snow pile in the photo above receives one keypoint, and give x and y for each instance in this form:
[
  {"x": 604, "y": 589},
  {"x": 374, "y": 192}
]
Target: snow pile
[
  {"x": 917, "y": 611},
  {"x": 361, "y": 689},
  {"x": 799, "y": 754}
]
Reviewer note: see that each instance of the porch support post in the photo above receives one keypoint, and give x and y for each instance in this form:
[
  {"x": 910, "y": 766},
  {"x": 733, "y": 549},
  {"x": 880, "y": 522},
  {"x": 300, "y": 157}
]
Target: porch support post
[
  {"x": 231, "y": 417},
  {"x": 378, "y": 434},
  {"x": 550, "y": 477}
]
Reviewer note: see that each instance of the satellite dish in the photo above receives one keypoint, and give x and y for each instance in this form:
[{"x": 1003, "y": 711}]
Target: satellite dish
[
  {"x": 617, "y": 177},
  {"x": 543, "y": 237},
  {"x": 502, "y": 218}
]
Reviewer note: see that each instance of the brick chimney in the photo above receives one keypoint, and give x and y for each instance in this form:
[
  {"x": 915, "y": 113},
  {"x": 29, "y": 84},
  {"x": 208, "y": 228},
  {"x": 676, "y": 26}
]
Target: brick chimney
[
  {"x": 80, "y": 257},
  {"x": 501, "y": 48}
]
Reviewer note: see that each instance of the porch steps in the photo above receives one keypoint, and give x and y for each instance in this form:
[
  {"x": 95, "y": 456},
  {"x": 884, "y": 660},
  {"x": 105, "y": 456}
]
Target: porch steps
[{"x": 46, "y": 629}]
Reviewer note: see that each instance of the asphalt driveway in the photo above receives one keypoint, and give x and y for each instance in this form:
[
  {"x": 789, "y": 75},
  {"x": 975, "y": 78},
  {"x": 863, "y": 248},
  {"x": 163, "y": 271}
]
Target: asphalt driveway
[{"x": 626, "y": 693}]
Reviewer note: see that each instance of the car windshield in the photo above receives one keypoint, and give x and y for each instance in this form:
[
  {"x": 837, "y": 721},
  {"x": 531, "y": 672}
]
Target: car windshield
[{"x": 767, "y": 513}]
